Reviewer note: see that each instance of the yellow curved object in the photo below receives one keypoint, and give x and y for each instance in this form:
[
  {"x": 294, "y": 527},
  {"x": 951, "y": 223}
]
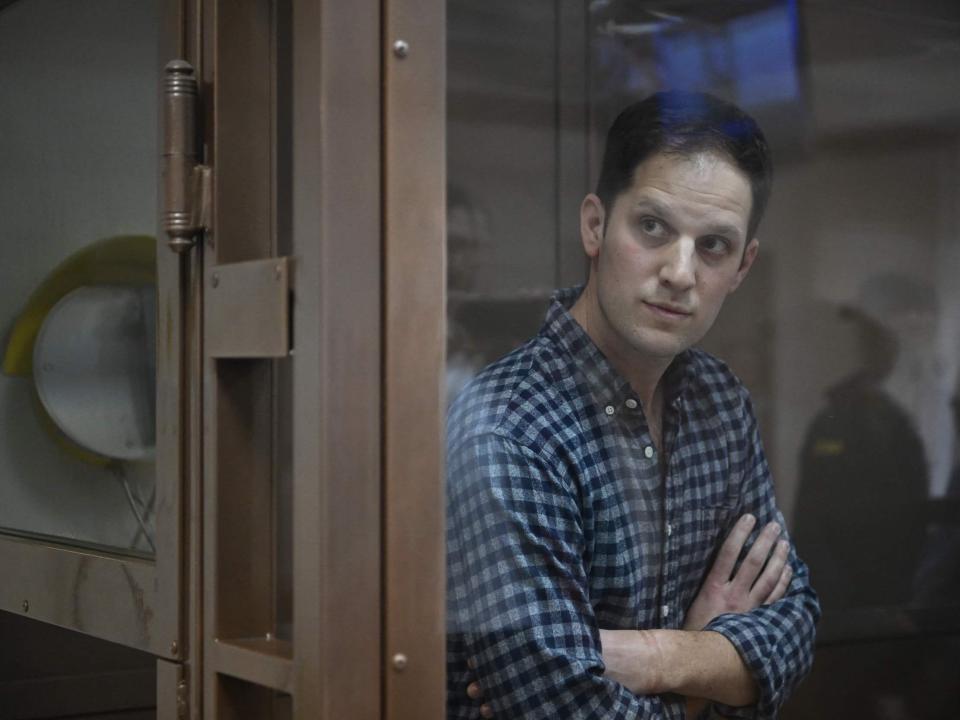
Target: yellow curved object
[{"x": 121, "y": 260}]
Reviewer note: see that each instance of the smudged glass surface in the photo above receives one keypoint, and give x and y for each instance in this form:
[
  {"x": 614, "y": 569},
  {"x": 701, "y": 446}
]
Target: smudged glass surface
[
  {"x": 78, "y": 168},
  {"x": 846, "y": 332}
]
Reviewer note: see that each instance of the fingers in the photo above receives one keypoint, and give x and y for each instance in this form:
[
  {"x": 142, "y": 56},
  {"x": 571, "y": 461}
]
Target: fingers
[
  {"x": 772, "y": 573},
  {"x": 730, "y": 550},
  {"x": 753, "y": 563},
  {"x": 486, "y": 711},
  {"x": 781, "y": 587}
]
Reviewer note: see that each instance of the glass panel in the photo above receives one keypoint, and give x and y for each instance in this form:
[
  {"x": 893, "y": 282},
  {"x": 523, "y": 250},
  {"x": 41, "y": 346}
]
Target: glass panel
[
  {"x": 901, "y": 678},
  {"x": 845, "y": 331},
  {"x": 78, "y": 141},
  {"x": 501, "y": 209}
]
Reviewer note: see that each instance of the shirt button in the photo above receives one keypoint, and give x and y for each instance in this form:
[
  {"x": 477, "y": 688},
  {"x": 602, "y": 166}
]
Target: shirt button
[
  {"x": 648, "y": 451},
  {"x": 609, "y": 410},
  {"x": 665, "y": 611},
  {"x": 631, "y": 403}
]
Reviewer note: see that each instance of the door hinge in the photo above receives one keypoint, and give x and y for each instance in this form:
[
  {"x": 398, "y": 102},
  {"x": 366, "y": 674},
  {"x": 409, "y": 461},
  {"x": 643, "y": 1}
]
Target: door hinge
[{"x": 187, "y": 188}]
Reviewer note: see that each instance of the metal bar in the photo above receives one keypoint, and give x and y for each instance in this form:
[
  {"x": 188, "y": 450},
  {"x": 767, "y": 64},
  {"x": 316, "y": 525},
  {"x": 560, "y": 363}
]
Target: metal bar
[
  {"x": 171, "y": 691},
  {"x": 414, "y": 338},
  {"x": 260, "y": 661},
  {"x": 337, "y": 328},
  {"x": 174, "y": 342},
  {"x": 68, "y": 587},
  {"x": 238, "y": 418}
]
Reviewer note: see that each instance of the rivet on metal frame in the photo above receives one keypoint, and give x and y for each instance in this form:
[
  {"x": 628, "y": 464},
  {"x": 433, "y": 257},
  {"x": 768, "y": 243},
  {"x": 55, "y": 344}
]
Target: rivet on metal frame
[
  {"x": 174, "y": 648},
  {"x": 401, "y": 48},
  {"x": 26, "y": 606},
  {"x": 399, "y": 662}
]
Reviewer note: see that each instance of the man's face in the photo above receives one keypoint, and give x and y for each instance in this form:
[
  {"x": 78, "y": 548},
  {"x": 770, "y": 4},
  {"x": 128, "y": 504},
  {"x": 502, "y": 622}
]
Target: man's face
[{"x": 673, "y": 248}]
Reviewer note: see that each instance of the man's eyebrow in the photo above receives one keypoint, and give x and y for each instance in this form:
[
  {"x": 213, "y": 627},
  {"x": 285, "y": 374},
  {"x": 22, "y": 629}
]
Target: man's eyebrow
[
  {"x": 655, "y": 208},
  {"x": 724, "y": 229}
]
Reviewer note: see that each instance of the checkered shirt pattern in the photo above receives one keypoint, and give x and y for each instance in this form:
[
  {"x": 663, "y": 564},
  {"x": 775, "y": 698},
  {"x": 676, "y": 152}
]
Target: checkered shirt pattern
[{"x": 562, "y": 519}]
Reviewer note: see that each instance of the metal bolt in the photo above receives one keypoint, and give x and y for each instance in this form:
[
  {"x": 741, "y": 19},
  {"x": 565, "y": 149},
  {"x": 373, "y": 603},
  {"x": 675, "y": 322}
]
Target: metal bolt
[
  {"x": 401, "y": 48},
  {"x": 26, "y": 606},
  {"x": 215, "y": 280},
  {"x": 399, "y": 662},
  {"x": 174, "y": 648}
]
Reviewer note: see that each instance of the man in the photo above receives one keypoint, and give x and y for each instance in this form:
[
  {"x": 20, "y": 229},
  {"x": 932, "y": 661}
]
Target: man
[{"x": 593, "y": 472}]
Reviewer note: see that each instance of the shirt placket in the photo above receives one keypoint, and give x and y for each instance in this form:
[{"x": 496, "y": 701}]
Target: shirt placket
[
  {"x": 666, "y": 610},
  {"x": 671, "y": 478}
]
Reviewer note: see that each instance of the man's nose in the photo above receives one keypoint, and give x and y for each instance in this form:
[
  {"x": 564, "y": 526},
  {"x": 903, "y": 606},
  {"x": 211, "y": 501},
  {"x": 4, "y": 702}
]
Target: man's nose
[{"x": 680, "y": 264}]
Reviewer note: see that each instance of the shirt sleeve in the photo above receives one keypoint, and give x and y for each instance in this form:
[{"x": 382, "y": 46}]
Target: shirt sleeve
[
  {"x": 776, "y": 641},
  {"x": 519, "y": 606}
]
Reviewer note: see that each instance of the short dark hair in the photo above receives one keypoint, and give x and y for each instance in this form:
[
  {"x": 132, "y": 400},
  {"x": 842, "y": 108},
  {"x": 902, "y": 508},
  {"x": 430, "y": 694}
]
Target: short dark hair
[{"x": 686, "y": 123}]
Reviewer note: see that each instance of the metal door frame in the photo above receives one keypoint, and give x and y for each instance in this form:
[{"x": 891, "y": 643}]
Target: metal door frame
[{"x": 367, "y": 239}]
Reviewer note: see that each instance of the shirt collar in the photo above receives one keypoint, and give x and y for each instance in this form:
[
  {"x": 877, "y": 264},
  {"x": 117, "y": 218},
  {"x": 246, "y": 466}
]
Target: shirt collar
[{"x": 607, "y": 386}]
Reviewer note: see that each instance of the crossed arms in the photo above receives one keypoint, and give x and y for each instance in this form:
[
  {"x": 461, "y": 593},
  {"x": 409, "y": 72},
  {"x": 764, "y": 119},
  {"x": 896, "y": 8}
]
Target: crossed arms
[
  {"x": 521, "y": 609},
  {"x": 703, "y": 665}
]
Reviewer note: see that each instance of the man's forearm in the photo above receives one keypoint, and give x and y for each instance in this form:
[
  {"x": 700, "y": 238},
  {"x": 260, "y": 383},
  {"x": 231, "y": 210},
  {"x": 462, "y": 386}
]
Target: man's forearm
[
  {"x": 705, "y": 664},
  {"x": 701, "y": 664}
]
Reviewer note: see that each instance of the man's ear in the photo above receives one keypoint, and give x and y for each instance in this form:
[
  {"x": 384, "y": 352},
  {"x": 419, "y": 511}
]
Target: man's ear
[
  {"x": 749, "y": 255},
  {"x": 592, "y": 217}
]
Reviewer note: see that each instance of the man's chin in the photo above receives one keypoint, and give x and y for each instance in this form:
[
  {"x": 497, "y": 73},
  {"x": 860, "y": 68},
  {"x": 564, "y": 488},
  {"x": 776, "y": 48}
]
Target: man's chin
[{"x": 659, "y": 345}]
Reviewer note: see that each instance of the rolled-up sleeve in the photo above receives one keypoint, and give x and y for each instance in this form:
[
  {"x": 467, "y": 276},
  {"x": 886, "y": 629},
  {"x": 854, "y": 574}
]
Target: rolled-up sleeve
[{"x": 519, "y": 608}]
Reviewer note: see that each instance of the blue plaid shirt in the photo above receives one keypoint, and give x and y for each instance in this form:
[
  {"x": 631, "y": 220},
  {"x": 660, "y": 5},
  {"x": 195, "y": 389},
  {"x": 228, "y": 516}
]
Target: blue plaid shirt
[{"x": 563, "y": 518}]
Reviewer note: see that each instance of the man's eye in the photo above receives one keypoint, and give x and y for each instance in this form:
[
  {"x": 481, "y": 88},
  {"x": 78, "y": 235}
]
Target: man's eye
[
  {"x": 715, "y": 244},
  {"x": 652, "y": 226}
]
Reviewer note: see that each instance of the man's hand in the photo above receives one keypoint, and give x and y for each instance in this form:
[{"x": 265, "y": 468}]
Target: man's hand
[{"x": 761, "y": 579}]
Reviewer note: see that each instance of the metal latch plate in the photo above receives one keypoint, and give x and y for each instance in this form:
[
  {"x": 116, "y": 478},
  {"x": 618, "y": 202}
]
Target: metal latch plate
[{"x": 248, "y": 309}]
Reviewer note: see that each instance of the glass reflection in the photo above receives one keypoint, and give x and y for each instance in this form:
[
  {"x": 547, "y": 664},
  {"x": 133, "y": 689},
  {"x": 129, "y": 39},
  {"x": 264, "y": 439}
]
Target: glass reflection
[
  {"x": 863, "y": 451},
  {"x": 78, "y": 297},
  {"x": 849, "y": 343},
  {"x": 846, "y": 332}
]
